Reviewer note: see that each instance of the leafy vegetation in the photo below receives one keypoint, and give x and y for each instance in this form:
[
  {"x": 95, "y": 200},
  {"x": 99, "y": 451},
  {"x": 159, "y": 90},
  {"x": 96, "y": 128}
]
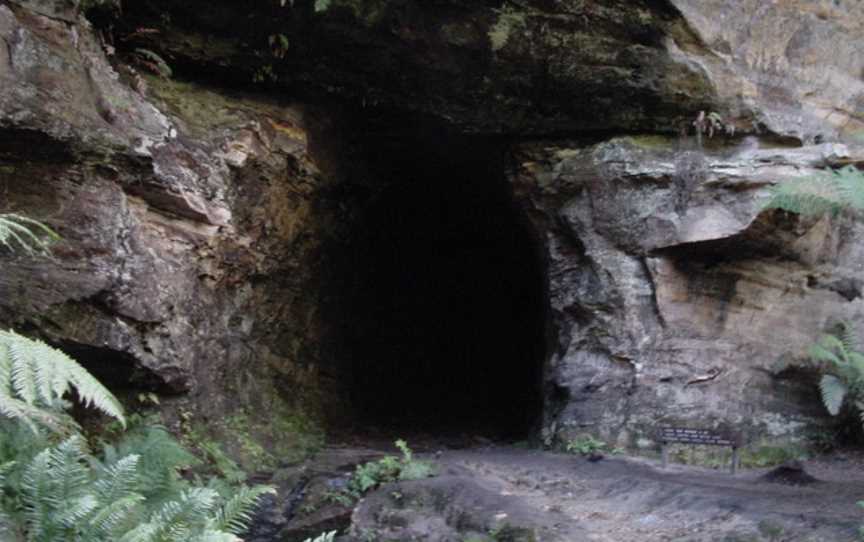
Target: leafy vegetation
[
  {"x": 35, "y": 378},
  {"x": 21, "y": 233},
  {"x": 131, "y": 492},
  {"x": 53, "y": 487},
  {"x": 711, "y": 123},
  {"x": 234, "y": 444},
  {"x": 323, "y": 537},
  {"x": 769, "y": 455},
  {"x": 860, "y": 529},
  {"x": 510, "y": 20},
  {"x": 65, "y": 493},
  {"x": 388, "y": 469},
  {"x": 587, "y": 445},
  {"x": 829, "y": 192},
  {"x": 152, "y": 62},
  {"x": 322, "y": 5},
  {"x": 843, "y": 367}
]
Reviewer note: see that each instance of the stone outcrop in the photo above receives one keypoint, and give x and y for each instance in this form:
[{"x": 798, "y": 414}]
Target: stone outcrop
[
  {"x": 189, "y": 222},
  {"x": 796, "y": 65},
  {"x": 539, "y": 67},
  {"x": 202, "y": 222},
  {"x": 677, "y": 298}
]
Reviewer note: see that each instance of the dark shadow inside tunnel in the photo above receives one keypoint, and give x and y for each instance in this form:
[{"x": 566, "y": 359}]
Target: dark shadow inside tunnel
[{"x": 446, "y": 319}]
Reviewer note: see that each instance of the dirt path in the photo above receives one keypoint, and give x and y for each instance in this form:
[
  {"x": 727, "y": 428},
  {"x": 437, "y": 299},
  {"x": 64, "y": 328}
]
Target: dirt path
[{"x": 557, "y": 497}]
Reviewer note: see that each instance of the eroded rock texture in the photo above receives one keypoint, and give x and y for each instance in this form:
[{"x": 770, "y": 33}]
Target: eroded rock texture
[
  {"x": 190, "y": 222},
  {"x": 676, "y": 297},
  {"x": 206, "y": 225}
]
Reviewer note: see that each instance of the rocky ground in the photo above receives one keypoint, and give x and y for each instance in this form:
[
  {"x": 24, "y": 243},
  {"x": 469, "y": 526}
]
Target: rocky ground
[{"x": 491, "y": 493}]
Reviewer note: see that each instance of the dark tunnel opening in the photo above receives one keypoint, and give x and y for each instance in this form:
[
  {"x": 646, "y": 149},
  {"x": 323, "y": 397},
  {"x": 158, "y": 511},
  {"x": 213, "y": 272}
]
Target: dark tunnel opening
[{"x": 447, "y": 313}]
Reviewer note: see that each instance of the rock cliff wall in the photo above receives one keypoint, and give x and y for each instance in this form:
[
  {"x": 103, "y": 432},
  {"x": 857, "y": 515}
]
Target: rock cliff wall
[{"x": 205, "y": 217}]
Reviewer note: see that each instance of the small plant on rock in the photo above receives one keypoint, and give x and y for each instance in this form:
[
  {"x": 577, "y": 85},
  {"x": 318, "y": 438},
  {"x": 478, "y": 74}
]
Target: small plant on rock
[
  {"x": 585, "y": 445},
  {"x": 711, "y": 123},
  {"x": 827, "y": 192},
  {"x": 843, "y": 381},
  {"x": 388, "y": 469}
]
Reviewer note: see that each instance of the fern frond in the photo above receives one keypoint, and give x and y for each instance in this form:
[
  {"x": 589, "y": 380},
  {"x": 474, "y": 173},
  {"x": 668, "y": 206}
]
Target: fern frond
[
  {"x": 826, "y": 192},
  {"x": 176, "y": 520},
  {"x": 215, "y": 536},
  {"x": 848, "y": 337},
  {"x": 850, "y": 183},
  {"x": 5, "y": 522},
  {"x": 119, "y": 480},
  {"x": 54, "y": 490},
  {"x": 40, "y": 501},
  {"x": 161, "y": 456},
  {"x": 76, "y": 510},
  {"x": 856, "y": 367},
  {"x": 15, "y": 409},
  {"x": 67, "y": 465},
  {"x": 323, "y": 537},
  {"x": 833, "y": 392},
  {"x": 20, "y": 232},
  {"x": 40, "y": 376},
  {"x": 109, "y": 519},
  {"x": 818, "y": 352},
  {"x": 835, "y": 345},
  {"x": 145, "y": 532},
  {"x": 235, "y": 515},
  {"x": 4, "y": 469},
  {"x": 22, "y": 371},
  {"x": 807, "y": 196}
]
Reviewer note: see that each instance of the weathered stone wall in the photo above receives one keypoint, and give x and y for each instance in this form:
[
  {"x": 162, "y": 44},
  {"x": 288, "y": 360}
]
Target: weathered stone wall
[
  {"x": 796, "y": 65},
  {"x": 201, "y": 223},
  {"x": 676, "y": 297},
  {"x": 192, "y": 224}
]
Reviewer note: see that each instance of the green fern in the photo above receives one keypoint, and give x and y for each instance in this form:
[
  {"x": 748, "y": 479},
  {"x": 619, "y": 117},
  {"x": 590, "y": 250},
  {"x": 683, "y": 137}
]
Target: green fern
[
  {"x": 66, "y": 494},
  {"x": 844, "y": 367},
  {"x": 54, "y": 488},
  {"x": 236, "y": 514},
  {"x": 35, "y": 378},
  {"x": 829, "y": 192},
  {"x": 833, "y": 393},
  {"x": 161, "y": 459},
  {"x": 323, "y": 537},
  {"x": 52, "y": 492},
  {"x": 178, "y": 519},
  {"x": 5, "y": 520},
  {"x": 20, "y": 232},
  {"x": 388, "y": 469}
]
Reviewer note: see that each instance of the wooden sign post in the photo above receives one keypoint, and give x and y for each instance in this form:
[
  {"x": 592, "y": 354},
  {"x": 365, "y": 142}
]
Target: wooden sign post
[{"x": 707, "y": 437}]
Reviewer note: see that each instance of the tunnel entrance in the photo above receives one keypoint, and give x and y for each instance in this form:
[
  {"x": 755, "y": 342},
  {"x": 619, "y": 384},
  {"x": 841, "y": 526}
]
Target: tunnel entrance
[{"x": 447, "y": 314}]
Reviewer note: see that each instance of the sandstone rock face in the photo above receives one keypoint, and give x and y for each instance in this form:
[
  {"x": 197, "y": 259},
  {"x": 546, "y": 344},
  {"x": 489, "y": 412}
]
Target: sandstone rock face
[
  {"x": 535, "y": 67},
  {"x": 798, "y": 64},
  {"x": 185, "y": 216},
  {"x": 202, "y": 224},
  {"x": 543, "y": 66},
  {"x": 677, "y": 298}
]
